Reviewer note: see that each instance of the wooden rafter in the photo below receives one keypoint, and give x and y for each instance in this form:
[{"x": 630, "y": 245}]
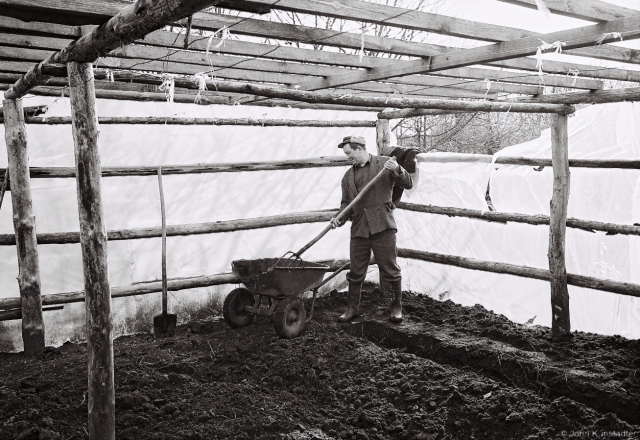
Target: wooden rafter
[
  {"x": 629, "y": 28},
  {"x": 592, "y": 10},
  {"x": 140, "y": 56},
  {"x": 381, "y": 14},
  {"x": 594, "y": 97},
  {"x": 418, "y": 89},
  {"x": 165, "y": 40},
  {"x": 129, "y": 24},
  {"x": 260, "y": 28}
]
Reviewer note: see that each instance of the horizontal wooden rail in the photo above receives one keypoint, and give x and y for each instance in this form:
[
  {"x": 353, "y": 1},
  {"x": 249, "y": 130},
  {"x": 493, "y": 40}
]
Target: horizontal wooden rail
[
  {"x": 190, "y": 229},
  {"x": 527, "y": 161},
  {"x": 10, "y": 304},
  {"x": 539, "y": 219},
  {"x": 153, "y": 120},
  {"x": 231, "y": 167},
  {"x": 321, "y": 216},
  {"x": 133, "y": 290},
  {"x": 431, "y": 257},
  {"x": 320, "y": 162},
  {"x": 521, "y": 271},
  {"x": 8, "y": 315}
]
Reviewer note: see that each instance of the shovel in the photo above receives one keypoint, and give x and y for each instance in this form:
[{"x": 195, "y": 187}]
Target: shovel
[
  {"x": 164, "y": 326},
  {"x": 294, "y": 257}
]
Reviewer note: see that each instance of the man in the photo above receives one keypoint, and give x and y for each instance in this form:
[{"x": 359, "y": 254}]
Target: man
[{"x": 373, "y": 226}]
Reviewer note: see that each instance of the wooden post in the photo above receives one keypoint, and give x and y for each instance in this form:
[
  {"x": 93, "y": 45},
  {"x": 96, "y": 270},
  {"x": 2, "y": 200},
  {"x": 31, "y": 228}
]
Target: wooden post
[
  {"x": 24, "y": 223},
  {"x": 560, "y": 318},
  {"x": 383, "y": 137},
  {"x": 93, "y": 241}
]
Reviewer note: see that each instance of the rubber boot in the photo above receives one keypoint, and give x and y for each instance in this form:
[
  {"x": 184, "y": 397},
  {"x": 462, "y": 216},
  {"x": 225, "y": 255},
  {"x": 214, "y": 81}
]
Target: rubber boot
[
  {"x": 395, "y": 311},
  {"x": 353, "y": 303}
]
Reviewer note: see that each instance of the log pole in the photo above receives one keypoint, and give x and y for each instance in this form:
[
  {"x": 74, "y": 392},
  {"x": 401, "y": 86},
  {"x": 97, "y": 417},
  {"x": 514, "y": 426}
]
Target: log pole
[
  {"x": 188, "y": 229},
  {"x": 319, "y": 162},
  {"x": 24, "y": 223},
  {"x": 412, "y": 112},
  {"x": 156, "y": 120},
  {"x": 383, "y": 137},
  {"x": 10, "y": 304},
  {"x": 93, "y": 242},
  {"x": 560, "y": 318},
  {"x": 321, "y": 216},
  {"x": 622, "y": 288}
]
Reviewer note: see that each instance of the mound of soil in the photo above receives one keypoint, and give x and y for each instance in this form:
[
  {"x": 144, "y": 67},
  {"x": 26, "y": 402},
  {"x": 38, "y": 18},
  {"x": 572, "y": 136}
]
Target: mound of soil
[{"x": 446, "y": 372}]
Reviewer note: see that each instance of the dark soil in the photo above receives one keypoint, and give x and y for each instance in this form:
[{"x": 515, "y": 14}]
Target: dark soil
[{"x": 447, "y": 372}]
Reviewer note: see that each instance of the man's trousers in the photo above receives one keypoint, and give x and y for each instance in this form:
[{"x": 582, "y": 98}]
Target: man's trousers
[{"x": 385, "y": 252}]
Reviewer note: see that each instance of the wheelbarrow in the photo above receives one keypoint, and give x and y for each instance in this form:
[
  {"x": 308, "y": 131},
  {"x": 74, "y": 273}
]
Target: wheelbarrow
[
  {"x": 281, "y": 286},
  {"x": 281, "y": 281}
]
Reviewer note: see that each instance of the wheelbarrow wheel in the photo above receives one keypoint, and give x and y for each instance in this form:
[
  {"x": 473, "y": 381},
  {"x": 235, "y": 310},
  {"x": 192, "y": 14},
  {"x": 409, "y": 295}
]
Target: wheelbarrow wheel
[
  {"x": 290, "y": 317},
  {"x": 233, "y": 309}
]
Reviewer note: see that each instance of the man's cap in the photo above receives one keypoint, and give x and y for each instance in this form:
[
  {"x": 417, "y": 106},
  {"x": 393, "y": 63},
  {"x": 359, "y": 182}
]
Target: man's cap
[{"x": 352, "y": 140}]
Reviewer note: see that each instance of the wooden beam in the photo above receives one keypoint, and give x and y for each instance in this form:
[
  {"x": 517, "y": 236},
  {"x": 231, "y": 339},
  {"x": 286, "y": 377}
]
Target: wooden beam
[
  {"x": 271, "y": 72},
  {"x": 504, "y": 217},
  {"x": 329, "y": 161},
  {"x": 39, "y": 27},
  {"x": 590, "y": 10},
  {"x": 403, "y": 102},
  {"x": 138, "y": 92},
  {"x": 93, "y": 242},
  {"x": 8, "y": 315},
  {"x": 289, "y": 53},
  {"x": 151, "y": 287},
  {"x": 221, "y": 62},
  {"x": 155, "y": 120},
  {"x": 526, "y": 161},
  {"x": 378, "y": 102},
  {"x": 299, "y": 33},
  {"x": 574, "y": 38},
  {"x": 187, "y": 229},
  {"x": 568, "y": 69},
  {"x": 560, "y": 317},
  {"x": 203, "y": 168},
  {"x": 411, "y": 112},
  {"x": 129, "y": 24},
  {"x": 622, "y": 288},
  {"x": 133, "y": 290},
  {"x": 248, "y": 26},
  {"x": 594, "y": 97},
  {"x": 423, "y": 21},
  {"x": 24, "y": 223},
  {"x": 499, "y": 75}
]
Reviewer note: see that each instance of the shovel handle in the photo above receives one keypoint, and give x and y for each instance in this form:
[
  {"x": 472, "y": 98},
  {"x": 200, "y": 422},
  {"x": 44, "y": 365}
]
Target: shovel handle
[
  {"x": 164, "y": 245},
  {"x": 342, "y": 214}
]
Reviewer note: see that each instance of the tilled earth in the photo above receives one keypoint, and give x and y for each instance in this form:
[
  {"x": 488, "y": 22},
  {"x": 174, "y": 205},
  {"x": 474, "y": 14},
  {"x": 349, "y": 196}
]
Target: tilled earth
[{"x": 446, "y": 372}]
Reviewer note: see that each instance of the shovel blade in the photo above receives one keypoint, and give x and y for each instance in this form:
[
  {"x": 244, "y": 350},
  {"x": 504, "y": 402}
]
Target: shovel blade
[{"x": 164, "y": 326}]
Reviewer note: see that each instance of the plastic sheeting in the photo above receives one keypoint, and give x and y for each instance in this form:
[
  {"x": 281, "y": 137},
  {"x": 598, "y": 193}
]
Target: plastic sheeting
[
  {"x": 598, "y": 132},
  {"x": 131, "y": 202},
  {"x": 609, "y": 131}
]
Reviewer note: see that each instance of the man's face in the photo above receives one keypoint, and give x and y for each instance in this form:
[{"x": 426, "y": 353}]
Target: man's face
[{"x": 357, "y": 156}]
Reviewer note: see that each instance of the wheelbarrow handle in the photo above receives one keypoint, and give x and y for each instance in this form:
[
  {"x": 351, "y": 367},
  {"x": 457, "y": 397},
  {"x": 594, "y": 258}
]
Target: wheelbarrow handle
[{"x": 342, "y": 214}]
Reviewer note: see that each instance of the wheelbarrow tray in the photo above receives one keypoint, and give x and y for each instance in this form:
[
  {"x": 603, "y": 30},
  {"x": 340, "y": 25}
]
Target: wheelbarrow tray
[{"x": 272, "y": 277}]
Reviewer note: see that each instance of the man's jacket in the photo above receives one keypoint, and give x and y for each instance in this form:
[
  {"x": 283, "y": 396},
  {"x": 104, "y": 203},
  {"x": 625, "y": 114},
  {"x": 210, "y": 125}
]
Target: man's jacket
[{"x": 373, "y": 213}]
